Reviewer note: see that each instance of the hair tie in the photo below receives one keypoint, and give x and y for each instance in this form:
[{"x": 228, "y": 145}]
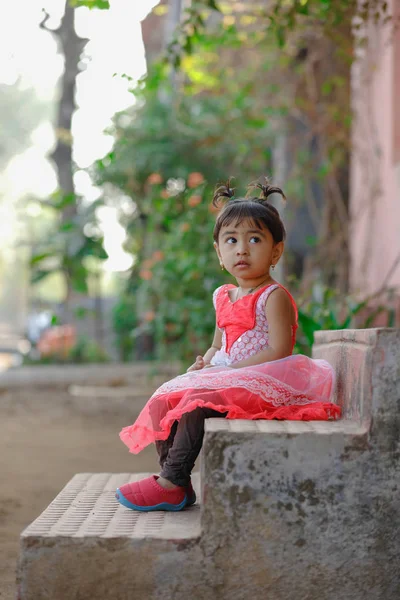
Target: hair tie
[
  {"x": 224, "y": 191},
  {"x": 266, "y": 190}
]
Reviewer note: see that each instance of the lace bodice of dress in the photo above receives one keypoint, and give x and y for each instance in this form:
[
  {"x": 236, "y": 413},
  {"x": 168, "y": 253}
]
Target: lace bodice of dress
[{"x": 251, "y": 341}]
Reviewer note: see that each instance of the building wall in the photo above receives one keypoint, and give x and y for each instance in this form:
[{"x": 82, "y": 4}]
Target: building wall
[
  {"x": 153, "y": 32},
  {"x": 375, "y": 168}
]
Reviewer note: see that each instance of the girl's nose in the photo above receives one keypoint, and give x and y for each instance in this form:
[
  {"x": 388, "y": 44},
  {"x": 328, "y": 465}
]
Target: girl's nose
[{"x": 241, "y": 249}]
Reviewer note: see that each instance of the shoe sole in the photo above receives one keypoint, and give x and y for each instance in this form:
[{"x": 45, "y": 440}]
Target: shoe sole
[{"x": 163, "y": 506}]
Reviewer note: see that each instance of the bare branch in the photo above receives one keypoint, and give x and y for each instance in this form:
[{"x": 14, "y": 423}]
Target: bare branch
[{"x": 42, "y": 23}]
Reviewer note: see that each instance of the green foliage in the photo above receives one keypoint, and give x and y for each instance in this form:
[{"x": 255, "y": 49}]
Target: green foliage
[
  {"x": 163, "y": 161},
  {"x": 183, "y": 279},
  {"x": 224, "y": 121},
  {"x": 125, "y": 322},
  {"x": 87, "y": 351},
  {"x": 326, "y": 309},
  {"x": 68, "y": 245},
  {"x": 101, "y": 4},
  {"x": 278, "y": 19}
]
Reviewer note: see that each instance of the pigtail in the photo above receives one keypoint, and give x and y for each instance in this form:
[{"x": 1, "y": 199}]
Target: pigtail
[
  {"x": 223, "y": 191},
  {"x": 266, "y": 190},
  {"x": 258, "y": 210}
]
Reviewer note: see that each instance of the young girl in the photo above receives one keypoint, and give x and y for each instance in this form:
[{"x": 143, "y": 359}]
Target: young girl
[{"x": 247, "y": 373}]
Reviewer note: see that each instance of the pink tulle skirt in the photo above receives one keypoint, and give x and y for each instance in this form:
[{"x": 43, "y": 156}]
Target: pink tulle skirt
[{"x": 295, "y": 388}]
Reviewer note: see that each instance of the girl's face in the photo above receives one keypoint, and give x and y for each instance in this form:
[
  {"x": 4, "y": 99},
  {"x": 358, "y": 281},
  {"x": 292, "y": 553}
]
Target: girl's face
[{"x": 247, "y": 251}]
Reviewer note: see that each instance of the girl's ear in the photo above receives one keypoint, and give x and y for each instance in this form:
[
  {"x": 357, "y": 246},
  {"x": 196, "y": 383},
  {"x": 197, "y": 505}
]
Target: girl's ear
[
  {"x": 278, "y": 251},
  {"x": 217, "y": 250}
]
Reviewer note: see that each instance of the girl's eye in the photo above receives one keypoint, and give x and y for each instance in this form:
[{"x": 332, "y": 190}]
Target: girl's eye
[
  {"x": 257, "y": 239},
  {"x": 228, "y": 240}
]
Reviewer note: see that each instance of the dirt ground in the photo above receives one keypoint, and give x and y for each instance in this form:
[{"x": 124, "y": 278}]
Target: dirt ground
[{"x": 42, "y": 446}]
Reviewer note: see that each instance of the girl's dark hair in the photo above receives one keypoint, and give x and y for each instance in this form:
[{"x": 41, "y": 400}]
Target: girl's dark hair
[{"x": 258, "y": 210}]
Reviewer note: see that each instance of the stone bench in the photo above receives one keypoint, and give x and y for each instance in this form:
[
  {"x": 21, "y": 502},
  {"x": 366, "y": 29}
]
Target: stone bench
[{"x": 305, "y": 510}]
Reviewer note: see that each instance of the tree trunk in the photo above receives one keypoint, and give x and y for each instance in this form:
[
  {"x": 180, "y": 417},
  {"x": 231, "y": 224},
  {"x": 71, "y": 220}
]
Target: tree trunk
[{"x": 71, "y": 46}]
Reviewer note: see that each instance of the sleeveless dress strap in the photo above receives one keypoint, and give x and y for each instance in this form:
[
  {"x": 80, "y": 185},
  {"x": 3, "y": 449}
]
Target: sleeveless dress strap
[
  {"x": 270, "y": 289},
  {"x": 264, "y": 297},
  {"x": 215, "y": 294}
]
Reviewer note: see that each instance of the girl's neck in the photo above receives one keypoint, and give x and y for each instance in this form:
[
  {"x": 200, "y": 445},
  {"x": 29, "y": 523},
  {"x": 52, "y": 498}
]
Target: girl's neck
[
  {"x": 240, "y": 292},
  {"x": 252, "y": 284}
]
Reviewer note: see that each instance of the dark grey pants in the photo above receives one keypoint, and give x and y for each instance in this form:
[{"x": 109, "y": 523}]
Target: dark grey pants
[{"x": 179, "y": 451}]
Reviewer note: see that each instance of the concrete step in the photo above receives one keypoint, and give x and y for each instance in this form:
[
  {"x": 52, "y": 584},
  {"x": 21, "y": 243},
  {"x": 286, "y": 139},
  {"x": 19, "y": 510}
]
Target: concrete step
[
  {"x": 248, "y": 458},
  {"x": 283, "y": 490},
  {"x": 109, "y": 375},
  {"x": 85, "y": 540},
  {"x": 238, "y": 426},
  {"x": 254, "y": 456}
]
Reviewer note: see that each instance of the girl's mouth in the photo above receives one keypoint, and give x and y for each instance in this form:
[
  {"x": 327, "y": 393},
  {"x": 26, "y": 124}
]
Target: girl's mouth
[{"x": 242, "y": 263}]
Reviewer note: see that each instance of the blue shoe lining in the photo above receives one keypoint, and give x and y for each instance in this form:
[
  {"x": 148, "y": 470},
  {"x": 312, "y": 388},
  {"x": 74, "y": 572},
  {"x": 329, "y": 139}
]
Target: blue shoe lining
[{"x": 163, "y": 506}]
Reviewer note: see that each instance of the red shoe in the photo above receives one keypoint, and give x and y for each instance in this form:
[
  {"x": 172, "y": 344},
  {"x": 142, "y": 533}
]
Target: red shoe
[{"x": 147, "y": 494}]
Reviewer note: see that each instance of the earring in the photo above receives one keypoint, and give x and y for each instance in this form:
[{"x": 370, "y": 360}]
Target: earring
[
  {"x": 222, "y": 266},
  {"x": 272, "y": 267}
]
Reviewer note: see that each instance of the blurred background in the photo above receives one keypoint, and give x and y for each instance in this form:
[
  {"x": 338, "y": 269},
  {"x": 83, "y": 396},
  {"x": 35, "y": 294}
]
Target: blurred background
[{"x": 118, "y": 120}]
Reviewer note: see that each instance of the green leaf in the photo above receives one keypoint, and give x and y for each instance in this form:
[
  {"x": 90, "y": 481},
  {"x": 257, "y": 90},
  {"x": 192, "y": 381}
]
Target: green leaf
[
  {"x": 353, "y": 311},
  {"x": 39, "y": 275},
  {"x": 309, "y": 326},
  {"x": 60, "y": 201},
  {"x": 92, "y": 247},
  {"x": 81, "y": 312},
  {"x": 37, "y": 258},
  {"x": 67, "y": 226},
  {"x": 391, "y": 317},
  {"x": 212, "y": 4},
  {"x": 101, "y": 4},
  {"x": 311, "y": 241},
  {"x": 188, "y": 47},
  {"x": 80, "y": 285},
  {"x": 176, "y": 61},
  {"x": 281, "y": 36},
  {"x": 302, "y": 7},
  {"x": 79, "y": 276},
  {"x": 256, "y": 123},
  {"x": 369, "y": 320}
]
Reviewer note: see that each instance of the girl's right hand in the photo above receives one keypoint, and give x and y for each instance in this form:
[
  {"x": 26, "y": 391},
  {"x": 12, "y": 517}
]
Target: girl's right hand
[{"x": 199, "y": 364}]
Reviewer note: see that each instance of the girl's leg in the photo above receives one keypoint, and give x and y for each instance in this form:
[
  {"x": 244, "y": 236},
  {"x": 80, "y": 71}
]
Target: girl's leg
[
  {"x": 163, "y": 446},
  {"x": 186, "y": 445}
]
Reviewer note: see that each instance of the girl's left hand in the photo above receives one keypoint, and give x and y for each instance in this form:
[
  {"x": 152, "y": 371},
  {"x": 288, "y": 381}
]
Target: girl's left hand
[{"x": 198, "y": 365}]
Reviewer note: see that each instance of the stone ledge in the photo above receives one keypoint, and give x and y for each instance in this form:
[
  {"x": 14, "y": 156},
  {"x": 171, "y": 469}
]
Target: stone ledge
[
  {"x": 86, "y": 545},
  {"x": 240, "y": 454},
  {"x": 109, "y": 374},
  {"x": 284, "y": 427},
  {"x": 367, "y": 367},
  {"x": 87, "y": 507}
]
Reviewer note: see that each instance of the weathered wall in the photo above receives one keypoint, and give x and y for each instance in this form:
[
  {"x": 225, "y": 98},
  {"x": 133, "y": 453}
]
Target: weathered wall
[
  {"x": 375, "y": 164},
  {"x": 310, "y": 513}
]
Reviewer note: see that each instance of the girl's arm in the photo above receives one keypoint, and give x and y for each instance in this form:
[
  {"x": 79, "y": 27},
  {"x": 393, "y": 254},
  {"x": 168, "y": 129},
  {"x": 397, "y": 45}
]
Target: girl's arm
[
  {"x": 280, "y": 316},
  {"x": 215, "y": 346},
  {"x": 204, "y": 361}
]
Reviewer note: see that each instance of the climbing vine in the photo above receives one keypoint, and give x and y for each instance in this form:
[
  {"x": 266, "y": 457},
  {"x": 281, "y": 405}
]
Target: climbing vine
[{"x": 278, "y": 18}]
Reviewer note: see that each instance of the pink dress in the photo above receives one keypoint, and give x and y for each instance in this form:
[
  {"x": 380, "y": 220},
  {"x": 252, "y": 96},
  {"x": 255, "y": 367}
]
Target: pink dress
[{"x": 296, "y": 387}]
